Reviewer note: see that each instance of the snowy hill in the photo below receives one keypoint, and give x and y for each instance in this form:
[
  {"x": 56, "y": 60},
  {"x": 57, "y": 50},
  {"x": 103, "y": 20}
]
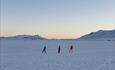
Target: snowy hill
[
  {"x": 86, "y": 55},
  {"x": 18, "y": 54},
  {"x": 23, "y": 37},
  {"x": 100, "y": 35}
]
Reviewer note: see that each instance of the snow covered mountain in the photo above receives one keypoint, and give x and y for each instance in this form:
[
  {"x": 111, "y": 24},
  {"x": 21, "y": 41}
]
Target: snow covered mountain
[
  {"x": 24, "y": 37},
  {"x": 99, "y": 35}
]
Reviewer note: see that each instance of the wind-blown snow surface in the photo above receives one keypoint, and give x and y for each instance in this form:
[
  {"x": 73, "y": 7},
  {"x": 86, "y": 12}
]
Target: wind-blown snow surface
[{"x": 87, "y": 55}]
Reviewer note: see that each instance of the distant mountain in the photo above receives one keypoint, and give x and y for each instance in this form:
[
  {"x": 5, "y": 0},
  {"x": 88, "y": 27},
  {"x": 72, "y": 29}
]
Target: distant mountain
[
  {"x": 99, "y": 35},
  {"x": 23, "y": 37}
]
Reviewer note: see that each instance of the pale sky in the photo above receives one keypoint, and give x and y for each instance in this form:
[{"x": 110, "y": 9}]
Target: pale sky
[{"x": 56, "y": 18}]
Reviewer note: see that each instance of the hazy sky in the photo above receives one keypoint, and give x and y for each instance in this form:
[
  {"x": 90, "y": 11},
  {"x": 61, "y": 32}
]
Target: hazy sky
[{"x": 56, "y": 18}]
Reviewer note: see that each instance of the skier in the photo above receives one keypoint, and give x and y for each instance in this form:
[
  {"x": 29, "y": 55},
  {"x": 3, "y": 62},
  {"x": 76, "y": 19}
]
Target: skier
[
  {"x": 71, "y": 48},
  {"x": 59, "y": 48},
  {"x": 44, "y": 49}
]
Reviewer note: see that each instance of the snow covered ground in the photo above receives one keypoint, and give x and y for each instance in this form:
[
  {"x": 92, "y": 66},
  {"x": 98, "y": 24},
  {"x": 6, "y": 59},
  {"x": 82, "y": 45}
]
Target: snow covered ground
[{"x": 27, "y": 55}]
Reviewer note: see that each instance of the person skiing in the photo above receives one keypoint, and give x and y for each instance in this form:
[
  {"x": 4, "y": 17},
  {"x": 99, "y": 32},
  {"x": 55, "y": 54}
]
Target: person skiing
[
  {"x": 44, "y": 49},
  {"x": 59, "y": 49},
  {"x": 71, "y": 49}
]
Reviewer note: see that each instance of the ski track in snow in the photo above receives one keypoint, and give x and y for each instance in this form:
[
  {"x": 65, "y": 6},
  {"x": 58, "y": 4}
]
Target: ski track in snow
[{"x": 27, "y": 55}]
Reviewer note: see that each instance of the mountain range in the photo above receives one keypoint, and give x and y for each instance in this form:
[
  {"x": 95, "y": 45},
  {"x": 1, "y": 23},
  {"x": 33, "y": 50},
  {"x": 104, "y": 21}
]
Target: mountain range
[
  {"x": 98, "y": 35},
  {"x": 24, "y": 37}
]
